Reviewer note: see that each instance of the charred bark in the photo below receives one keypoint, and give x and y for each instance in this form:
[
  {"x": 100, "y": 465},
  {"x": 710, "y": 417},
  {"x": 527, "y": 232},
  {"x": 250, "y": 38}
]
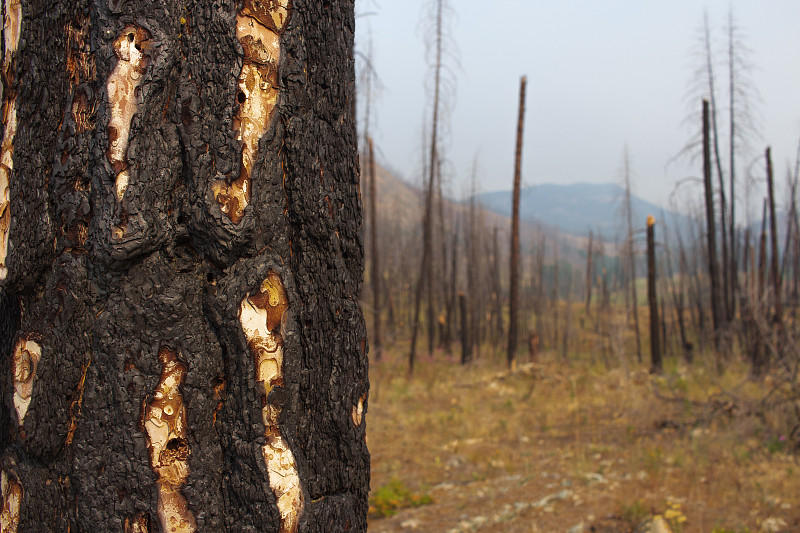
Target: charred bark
[
  {"x": 182, "y": 341},
  {"x": 655, "y": 343},
  {"x": 711, "y": 233},
  {"x": 775, "y": 275},
  {"x": 514, "y": 282}
]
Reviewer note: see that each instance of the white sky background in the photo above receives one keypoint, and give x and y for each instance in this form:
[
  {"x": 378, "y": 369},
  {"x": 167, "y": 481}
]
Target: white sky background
[{"x": 601, "y": 74}]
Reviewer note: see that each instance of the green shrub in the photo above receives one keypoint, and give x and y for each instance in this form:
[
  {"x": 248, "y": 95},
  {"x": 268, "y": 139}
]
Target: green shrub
[{"x": 388, "y": 499}]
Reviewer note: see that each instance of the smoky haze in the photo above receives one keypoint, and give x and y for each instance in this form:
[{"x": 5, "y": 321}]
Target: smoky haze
[{"x": 602, "y": 75}]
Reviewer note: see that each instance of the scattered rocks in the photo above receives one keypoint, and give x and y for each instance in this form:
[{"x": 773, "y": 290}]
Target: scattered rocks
[
  {"x": 547, "y": 500},
  {"x": 772, "y": 524},
  {"x": 411, "y": 523},
  {"x": 657, "y": 524},
  {"x": 578, "y": 528}
]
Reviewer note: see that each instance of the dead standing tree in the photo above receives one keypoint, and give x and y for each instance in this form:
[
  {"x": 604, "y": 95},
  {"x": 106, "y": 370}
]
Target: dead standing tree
[
  {"x": 630, "y": 256},
  {"x": 182, "y": 261},
  {"x": 426, "y": 261},
  {"x": 775, "y": 276},
  {"x": 589, "y": 272},
  {"x": 723, "y": 209},
  {"x": 652, "y": 299},
  {"x": 367, "y": 77},
  {"x": 513, "y": 285},
  {"x": 711, "y": 234},
  {"x": 375, "y": 270}
]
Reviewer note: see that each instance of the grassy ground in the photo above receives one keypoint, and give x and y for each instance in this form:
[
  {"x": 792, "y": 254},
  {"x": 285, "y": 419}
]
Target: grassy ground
[{"x": 571, "y": 446}]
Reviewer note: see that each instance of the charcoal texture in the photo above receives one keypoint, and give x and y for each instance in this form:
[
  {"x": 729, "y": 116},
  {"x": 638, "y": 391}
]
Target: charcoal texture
[{"x": 101, "y": 284}]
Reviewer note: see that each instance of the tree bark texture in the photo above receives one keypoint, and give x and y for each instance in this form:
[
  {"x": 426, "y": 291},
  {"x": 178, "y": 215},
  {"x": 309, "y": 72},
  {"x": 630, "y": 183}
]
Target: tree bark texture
[
  {"x": 514, "y": 282},
  {"x": 182, "y": 345},
  {"x": 711, "y": 232},
  {"x": 655, "y": 343}
]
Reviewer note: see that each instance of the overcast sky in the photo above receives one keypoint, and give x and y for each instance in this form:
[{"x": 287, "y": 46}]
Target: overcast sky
[{"x": 601, "y": 74}]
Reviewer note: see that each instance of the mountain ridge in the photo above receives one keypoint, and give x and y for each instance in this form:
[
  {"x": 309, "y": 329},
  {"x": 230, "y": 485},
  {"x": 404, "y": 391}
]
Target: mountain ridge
[{"x": 576, "y": 208}]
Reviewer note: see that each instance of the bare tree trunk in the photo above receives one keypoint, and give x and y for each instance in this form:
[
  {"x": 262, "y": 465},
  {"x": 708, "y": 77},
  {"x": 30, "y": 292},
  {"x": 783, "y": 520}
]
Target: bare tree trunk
[
  {"x": 732, "y": 261},
  {"x": 375, "y": 274},
  {"x": 759, "y": 355},
  {"x": 724, "y": 305},
  {"x": 655, "y": 343},
  {"x": 567, "y": 331},
  {"x": 632, "y": 259},
  {"x": 513, "y": 284},
  {"x": 539, "y": 305},
  {"x": 450, "y": 299},
  {"x": 425, "y": 267},
  {"x": 497, "y": 323},
  {"x": 678, "y": 300},
  {"x": 471, "y": 252},
  {"x": 169, "y": 306},
  {"x": 711, "y": 233},
  {"x": 555, "y": 297},
  {"x": 466, "y": 345},
  {"x": 589, "y": 273},
  {"x": 775, "y": 276}
]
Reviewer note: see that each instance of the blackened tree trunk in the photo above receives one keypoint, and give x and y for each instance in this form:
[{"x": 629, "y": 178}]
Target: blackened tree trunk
[
  {"x": 375, "y": 270},
  {"x": 775, "y": 276},
  {"x": 183, "y": 348},
  {"x": 466, "y": 343},
  {"x": 758, "y": 353},
  {"x": 450, "y": 290},
  {"x": 426, "y": 270},
  {"x": 655, "y": 343},
  {"x": 514, "y": 282},
  {"x": 496, "y": 324},
  {"x": 723, "y": 209},
  {"x": 589, "y": 273},
  {"x": 711, "y": 232}
]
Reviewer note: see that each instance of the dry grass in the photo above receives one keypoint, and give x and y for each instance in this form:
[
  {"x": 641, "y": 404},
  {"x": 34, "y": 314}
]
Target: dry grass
[{"x": 557, "y": 444}]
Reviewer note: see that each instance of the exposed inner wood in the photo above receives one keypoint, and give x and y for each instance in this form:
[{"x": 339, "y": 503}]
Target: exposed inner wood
[
  {"x": 23, "y": 366},
  {"x": 260, "y": 316},
  {"x": 258, "y": 28},
  {"x": 165, "y": 422},
  {"x": 12, "y": 25},
  {"x": 137, "y": 524},
  {"x": 12, "y": 500},
  {"x": 123, "y": 99}
]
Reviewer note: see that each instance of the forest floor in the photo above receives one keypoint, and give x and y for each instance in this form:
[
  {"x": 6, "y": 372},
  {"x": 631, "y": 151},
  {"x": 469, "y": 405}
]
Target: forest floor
[{"x": 573, "y": 446}]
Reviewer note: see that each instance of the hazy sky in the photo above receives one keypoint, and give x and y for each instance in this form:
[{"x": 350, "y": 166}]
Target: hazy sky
[{"x": 601, "y": 74}]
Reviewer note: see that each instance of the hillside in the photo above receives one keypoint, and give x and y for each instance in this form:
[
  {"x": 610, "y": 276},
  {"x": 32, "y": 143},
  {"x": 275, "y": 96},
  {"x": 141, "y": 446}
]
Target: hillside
[
  {"x": 576, "y": 208},
  {"x": 400, "y": 205}
]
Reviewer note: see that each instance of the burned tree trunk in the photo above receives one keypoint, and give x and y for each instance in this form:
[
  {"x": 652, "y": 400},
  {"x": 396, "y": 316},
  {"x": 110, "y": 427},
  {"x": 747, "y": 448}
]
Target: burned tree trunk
[
  {"x": 181, "y": 263},
  {"x": 711, "y": 233},
  {"x": 774, "y": 271},
  {"x": 466, "y": 344},
  {"x": 655, "y": 343},
  {"x": 589, "y": 273},
  {"x": 514, "y": 282},
  {"x": 426, "y": 262},
  {"x": 375, "y": 270}
]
